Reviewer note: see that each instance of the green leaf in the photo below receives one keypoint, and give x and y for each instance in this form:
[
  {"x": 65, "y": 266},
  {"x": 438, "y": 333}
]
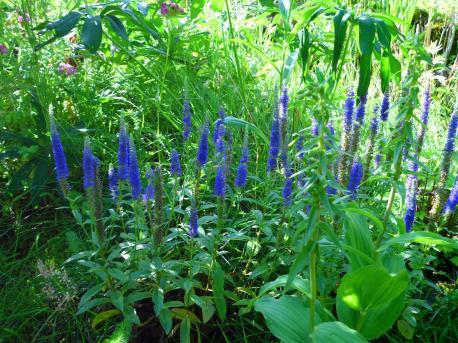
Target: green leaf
[
  {"x": 117, "y": 300},
  {"x": 185, "y": 330},
  {"x": 366, "y": 45},
  {"x": 285, "y": 7},
  {"x": 90, "y": 293},
  {"x": 102, "y": 316},
  {"x": 196, "y": 7},
  {"x": 90, "y": 304},
  {"x": 371, "y": 286},
  {"x": 340, "y": 32},
  {"x": 421, "y": 237},
  {"x": 91, "y": 34},
  {"x": 236, "y": 122},
  {"x": 358, "y": 237},
  {"x": 299, "y": 263},
  {"x": 304, "y": 47},
  {"x": 165, "y": 318},
  {"x": 385, "y": 70},
  {"x": 289, "y": 65},
  {"x": 395, "y": 69},
  {"x": 405, "y": 329},
  {"x": 65, "y": 24},
  {"x": 217, "y": 5},
  {"x": 297, "y": 283},
  {"x": 335, "y": 332},
  {"x": 158, "y": 300},
  {"x": 287, "y": 317},
  {"x": 117, "y": 26},
  {"x": 370, "y": 299},
  {"x": 218, "y": 291}
]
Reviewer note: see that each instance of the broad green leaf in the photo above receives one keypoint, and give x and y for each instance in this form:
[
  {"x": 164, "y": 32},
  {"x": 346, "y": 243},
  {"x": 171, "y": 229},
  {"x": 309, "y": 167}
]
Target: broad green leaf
[
  {"x": 236, "y": 122},
  {"x": 117, "y": 26},
  {"x": 90, "y": 304},
  {"x": 299, "y": 263},
  {"x": 185, "y": 330},
  {"x": 196, "y": 7},
  {"x": 405, "y": 329},
  {"x": 335, "y": 332},
  {"x": 385, "y": 70},
  {"x": 64, "y": 25},
  {"x": 297, "y": 283},
  {"x": 285, "y": 7},
  {"x": 158, "y": 300},
  {"x": 340, "y": 32},
  {"x": 421, "y": 237},
  {"x": 117, "y": 299},
  {"x": 371, "y": 286},
  {"x": 366, "y": 45},
  {"x": 287, "y": 317},
  {"x": 395, "y": 69},
  {"x": 166, "y": 320},
  {"x": 304, "y": 47},
  {"x": 91, "y": 34},
  {"x": 218, "y": 291},
  {"x": 358, "y": 237},
  {"x": 130, "y": 313},
  {"x": 289, "y": 65},
  {"x": 217, "y": 5},
  {"x": 90, "y": 293},
  {"x": 102, "y": 316}
]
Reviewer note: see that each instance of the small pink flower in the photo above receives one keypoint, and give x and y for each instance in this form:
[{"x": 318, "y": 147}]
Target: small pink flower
[
  {"x": 171, "y": 9},
  {"x": 67, "y": 69},
  {"x": 21, "y": 19},
  {"x": 3, "y": 49},
  {"x": 164, "y": 9}
]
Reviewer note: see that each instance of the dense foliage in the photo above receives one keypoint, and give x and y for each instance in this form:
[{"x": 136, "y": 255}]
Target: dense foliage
[{"x": 227, "y": 171}]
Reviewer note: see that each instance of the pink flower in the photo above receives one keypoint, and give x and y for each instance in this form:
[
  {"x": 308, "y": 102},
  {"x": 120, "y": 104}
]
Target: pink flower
[
  {"x": 164, "y": 9},
  {"x": 171, "y": 9},
  {"x": 67, "y": 69},
  {"x": 3, "y": 49},
  {"x": 20, "y": 19}
]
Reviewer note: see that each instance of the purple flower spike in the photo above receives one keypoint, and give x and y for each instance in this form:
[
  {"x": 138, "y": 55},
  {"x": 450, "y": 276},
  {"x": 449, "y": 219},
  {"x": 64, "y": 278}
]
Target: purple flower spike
[
  {"x": 220, "y": 181},
  {"x": 274, "y": 148},
  {"x": 452, "y": 200},
  {"x": 361, "y": 110},
  {"x": 385, "y": 106},
  {"x": 202, "y": 153},
  {"x": 356, "y": 175},
  {"x": 134, "y": 172},
  {"x": 300, "y": 146},
  {"x": 287, "y": 186},
  {"x": 175, "y": 166},
  {"x": 88, "y": 165},
  {"x": 426, "y": 105},
  {"x": 193, "y": 223},
  {"x": 123, "y": 153},
  {"x": 58, "y": 153},
  {"x": 112, "y": 182},
  {"x": 283, "y": 105},
  {"x": 451, "y": 134}
]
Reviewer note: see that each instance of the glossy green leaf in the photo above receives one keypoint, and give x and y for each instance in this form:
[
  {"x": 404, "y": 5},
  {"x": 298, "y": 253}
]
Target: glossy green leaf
[
  {"x": 117, "y": 26},
  {"x": 91, "y": 34},
  {"x": 185, "y": 330},
  {"x": 335, "y": 332},
  {"x": 299, "y": 263},
  {"x": 285, "y": 7},
  {"x": 405, "y": 329},
  {"x": 304, "y": 47},
  {"x": 287, "y": 317},
  {"x": 65, "y": 24},
  {"x": 217, "y": 5},
  {"x": 340, "y": 31},
  {"x": 366, "y": 45},
  {"x": 385, "y": 70},
  {"x": 166, "y": 320},
  {"x": 102, "y": 316},
  {"x": 371, "y": 286},
  {"x": 196, "y": 8},
  {"x": 358, "y": 237},
  {"x": 421, "y": 237}
]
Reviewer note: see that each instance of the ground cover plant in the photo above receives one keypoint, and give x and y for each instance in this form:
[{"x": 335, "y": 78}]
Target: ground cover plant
[{"x": 215, "y": 171}]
